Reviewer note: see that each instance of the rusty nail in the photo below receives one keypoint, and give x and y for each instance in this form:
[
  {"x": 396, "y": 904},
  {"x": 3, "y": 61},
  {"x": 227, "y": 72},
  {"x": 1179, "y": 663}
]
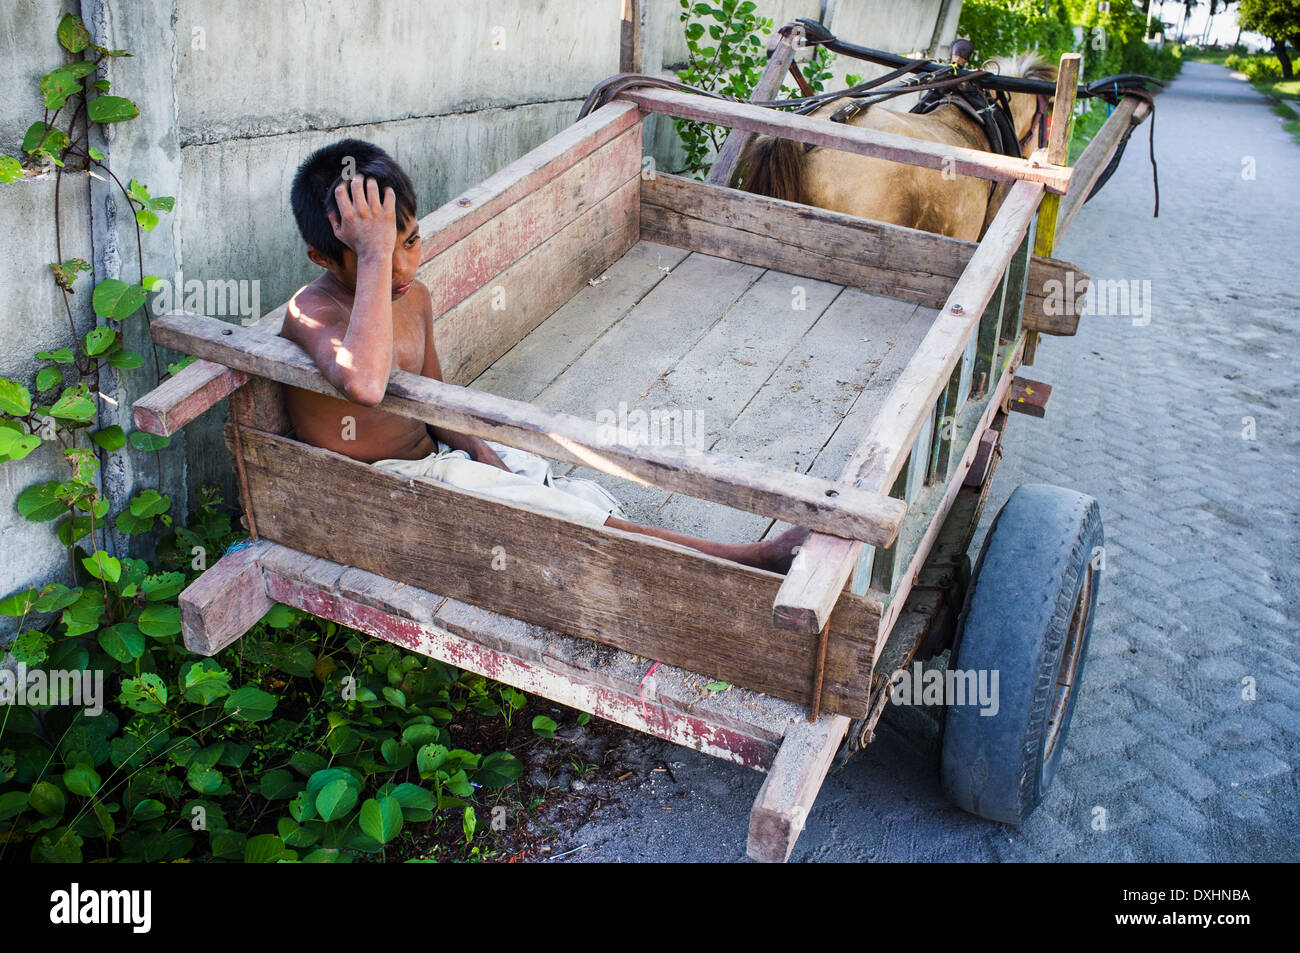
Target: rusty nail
[{"x": 956, "y": 309}]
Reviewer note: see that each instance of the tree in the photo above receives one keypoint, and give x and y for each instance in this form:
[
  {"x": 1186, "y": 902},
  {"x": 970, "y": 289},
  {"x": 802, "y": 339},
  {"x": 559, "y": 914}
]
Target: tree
[{"x": 1279, "y": 20}]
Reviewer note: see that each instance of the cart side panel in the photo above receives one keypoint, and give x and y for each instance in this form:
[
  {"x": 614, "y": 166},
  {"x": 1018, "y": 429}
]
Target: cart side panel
[
  {"x": 635, "y": 593},
  {"x": 921, "y": 267},
  {"x": 504, "y": 277}
]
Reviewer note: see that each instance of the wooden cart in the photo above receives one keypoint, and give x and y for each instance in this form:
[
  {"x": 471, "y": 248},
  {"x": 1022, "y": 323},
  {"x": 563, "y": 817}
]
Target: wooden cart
[{"x": 845, "y": 375}]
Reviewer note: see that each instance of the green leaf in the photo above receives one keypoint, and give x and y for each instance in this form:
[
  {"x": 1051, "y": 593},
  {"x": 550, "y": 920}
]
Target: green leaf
[
  {"x": 82, "y": 780},
  {"x": 43, "y": 139},
  {"x": 73, "y": 34},
  {"x": 10, "y": 169},
  {"x": 57, "y": 85},
  {"x": 280, "y": 616},
  {"x": 101, "y": 565},
  {"x": 336, "y": 799},
  {"x": 175, "y": 367},
  {"x": 146, "y": 219},
  {"x": 12, "y": 804},
  {"x": 717, "y": 686},
  {"x": 18, "y": 446},
  {"x": 62, "y": 356},
  {"x": 146, "y": 694},
  {"x": 56, "y": 596},
  {"x": 125, "y": 360},
  {"x": 47, "y": 799},
  {"x": 116, "y": 299},
  {"x": 30, "y": 647},
  {"x": 92, "y": 151},
  {"x": 204, "y": 778},
  {"x": 110, "y": 438},
  {"x": 544, "y": 726},
  {"x": 263, "y": 849},
  {"x": 279, "y": 785},
  {"x": 148, "y": 441},
  {"x": 59, "y": 846},
  {"x": 469, "y": 824},
  {"x": 204, "y": 681},
  {"x": 99, "y": 339},
  {"x": 148, "y": 810},
  {"x": 150, "y": 503},
  {"x": 111, "y": 109},
  {"x": 14, "y": 398},
  {"x": 429, "y": 758},
  {"x": 18, "y": 604},
  {"x": 47, "y": 378},
  {"x": 74, "y": 405},
  {"x": 249, "y": 703},
  {"x": 397, "y": 754},
  {"x": 128, "y": 524},
  {"x": 40, "y": 503},
  {"x": 162, "y": 585},
  {"x": 499, "y": 770},
  {"x": 381, "y": 818},
  {"x": 123, "y": 642},
  {"x": 160, "y": 620}
]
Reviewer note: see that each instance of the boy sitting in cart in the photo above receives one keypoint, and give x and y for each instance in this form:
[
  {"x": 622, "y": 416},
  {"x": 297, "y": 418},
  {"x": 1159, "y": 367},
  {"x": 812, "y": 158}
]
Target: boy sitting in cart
[{"x": 368, "y": 313}]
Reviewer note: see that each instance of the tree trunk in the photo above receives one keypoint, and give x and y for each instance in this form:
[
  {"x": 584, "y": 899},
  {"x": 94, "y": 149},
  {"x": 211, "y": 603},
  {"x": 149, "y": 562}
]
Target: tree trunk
[{"x": 1279, "y": 50}]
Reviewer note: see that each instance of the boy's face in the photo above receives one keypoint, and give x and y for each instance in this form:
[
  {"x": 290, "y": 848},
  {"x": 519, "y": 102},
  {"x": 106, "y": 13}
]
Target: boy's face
[{"x": 406, "y": 260}]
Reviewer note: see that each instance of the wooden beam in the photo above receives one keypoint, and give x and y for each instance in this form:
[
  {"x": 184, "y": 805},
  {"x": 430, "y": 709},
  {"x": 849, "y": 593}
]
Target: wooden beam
[
  {"x": 868, "y": 142},
  {"x": 904, "y": 263},
  {"x": 182, "y": 397},
  {"x": 768, "y": 85},
  {"x": 824, "y": 564},
  {"x": 1096, "y": 156},
  {"x": 781, "y": 808},
  {"x": 225, "y": 602},
  {"x": 800, "y": 499},
  {"x": 1058, "y": 153},
  {"x": 630, "y": 46},
  {"x": 643, "y": 595},
  {"x": 1030, "y": 397}
]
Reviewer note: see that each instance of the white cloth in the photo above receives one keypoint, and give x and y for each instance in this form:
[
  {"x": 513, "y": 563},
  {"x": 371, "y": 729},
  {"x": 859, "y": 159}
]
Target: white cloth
[{"x": 530, "y": 482}]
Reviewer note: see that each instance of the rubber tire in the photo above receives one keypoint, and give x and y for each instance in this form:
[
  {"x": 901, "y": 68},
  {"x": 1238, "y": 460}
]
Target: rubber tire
[{"x": 1015, "y": 620}]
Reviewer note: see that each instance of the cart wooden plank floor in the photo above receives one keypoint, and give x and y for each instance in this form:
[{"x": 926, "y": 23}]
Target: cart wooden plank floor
[{"x": 758, "y": 363}]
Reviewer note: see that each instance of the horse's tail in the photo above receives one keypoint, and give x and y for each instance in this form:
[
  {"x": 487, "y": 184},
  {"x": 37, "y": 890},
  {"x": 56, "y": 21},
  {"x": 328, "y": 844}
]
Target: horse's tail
[{"x": 773, "y": 167}]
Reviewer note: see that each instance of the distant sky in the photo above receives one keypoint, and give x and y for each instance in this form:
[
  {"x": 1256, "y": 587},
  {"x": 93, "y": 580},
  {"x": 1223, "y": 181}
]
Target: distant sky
[{"x": 1223, "y": 32}]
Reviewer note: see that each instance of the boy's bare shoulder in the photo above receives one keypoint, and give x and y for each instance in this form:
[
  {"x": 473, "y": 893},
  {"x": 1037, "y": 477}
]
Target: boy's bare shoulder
[{"x": 312, "y": 310}]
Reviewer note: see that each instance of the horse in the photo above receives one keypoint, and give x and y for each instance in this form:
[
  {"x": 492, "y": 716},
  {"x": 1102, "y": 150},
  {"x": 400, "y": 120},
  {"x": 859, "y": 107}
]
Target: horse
[{"x": 929, "y": 199}]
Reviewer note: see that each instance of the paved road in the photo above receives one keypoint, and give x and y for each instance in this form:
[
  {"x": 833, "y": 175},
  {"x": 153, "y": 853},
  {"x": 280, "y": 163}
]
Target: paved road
[{"x": 1203, "y": 555}]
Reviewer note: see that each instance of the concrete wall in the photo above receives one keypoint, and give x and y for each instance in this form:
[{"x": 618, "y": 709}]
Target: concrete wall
[{"x": 233, "y": 95}]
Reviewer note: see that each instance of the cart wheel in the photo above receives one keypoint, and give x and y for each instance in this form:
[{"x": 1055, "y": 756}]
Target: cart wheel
[{"x": 1028, "y": 615}]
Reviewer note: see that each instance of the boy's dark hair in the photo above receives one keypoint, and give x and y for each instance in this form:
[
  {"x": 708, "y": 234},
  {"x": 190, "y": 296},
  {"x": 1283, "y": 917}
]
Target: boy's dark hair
[{"x": 312, "y": 194}]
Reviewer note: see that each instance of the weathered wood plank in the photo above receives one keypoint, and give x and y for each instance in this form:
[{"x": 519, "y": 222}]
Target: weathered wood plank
[
  {"x": 473, "y": 262},
  {"x": 634, "y": 592},
  {"x": 809, "y": 591},
  {"x": 781, "y": 808},
  {"x": 225, "y": 602},
  {"x": 182, "y": 397},
  {"x": 868, "y": 142},
  {"x": 817, "y": 504},
  {"x": 260, "y": 404},
  {"x": 549, "y": 349},
  {"x": 905, "y": 263},
  {"x": 447, "y": 225},
  {"x": 492, "y": 319},
  {"x": 1030, "y": 397}
]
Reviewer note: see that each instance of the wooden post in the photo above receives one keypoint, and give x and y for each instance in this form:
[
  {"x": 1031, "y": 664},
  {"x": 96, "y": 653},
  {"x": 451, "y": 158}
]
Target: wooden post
[
  {"x": 629, "y": 54},
  {"x": 1058, "y": 153},
  {"x": 769, "y": 84}
]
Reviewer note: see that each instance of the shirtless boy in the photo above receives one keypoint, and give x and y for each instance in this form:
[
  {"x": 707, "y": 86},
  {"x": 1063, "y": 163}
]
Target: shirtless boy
[{"x": 368, "y": 314}]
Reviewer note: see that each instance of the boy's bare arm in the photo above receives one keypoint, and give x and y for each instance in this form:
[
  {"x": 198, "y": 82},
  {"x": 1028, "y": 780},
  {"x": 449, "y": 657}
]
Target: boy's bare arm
[
  {"x": 357, "y": 356},
  {"x": 476, "y": 447}
]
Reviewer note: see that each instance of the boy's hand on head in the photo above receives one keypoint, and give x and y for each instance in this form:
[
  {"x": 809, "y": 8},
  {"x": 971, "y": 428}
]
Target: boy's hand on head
[{"x": 364, "y": 223}]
